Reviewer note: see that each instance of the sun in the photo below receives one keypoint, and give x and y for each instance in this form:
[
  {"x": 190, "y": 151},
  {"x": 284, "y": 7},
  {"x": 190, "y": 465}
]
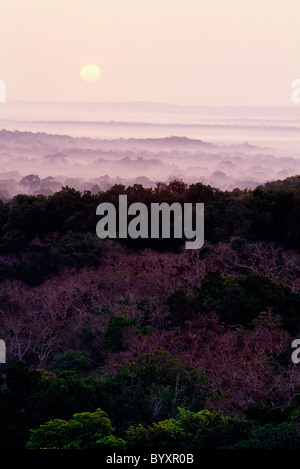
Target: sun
[{"x": 90, "y": 73}]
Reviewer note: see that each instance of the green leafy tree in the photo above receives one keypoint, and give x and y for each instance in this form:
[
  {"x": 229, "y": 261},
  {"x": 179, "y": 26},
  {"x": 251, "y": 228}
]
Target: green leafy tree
[
  {"x": 181, "y": 306},
  {"x": 238, "y": 244},
  {"x": 29, "y": 397},
  {"x": 113, "y": 340},
  {"x": 190, "y": 431},
  {"x": 240, "y": 300},
  {"x": 271, "y": 436},
  {"x": 64, "y": 394},
  {"x": 84, "y": 431},
  {"x": 72, "y": 360},
  {"x": 153, "y": 388}
]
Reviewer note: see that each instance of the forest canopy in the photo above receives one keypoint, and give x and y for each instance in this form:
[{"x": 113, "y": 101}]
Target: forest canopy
[{"x": 142, "y": 343}]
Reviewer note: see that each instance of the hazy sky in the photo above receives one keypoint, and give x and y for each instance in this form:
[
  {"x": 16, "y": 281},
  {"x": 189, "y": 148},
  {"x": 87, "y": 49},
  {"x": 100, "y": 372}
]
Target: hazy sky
[{"x": 192, "y": 52}]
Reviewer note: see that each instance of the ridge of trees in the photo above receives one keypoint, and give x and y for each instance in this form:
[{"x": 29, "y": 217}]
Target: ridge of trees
[{"x": 60, "y": 230}]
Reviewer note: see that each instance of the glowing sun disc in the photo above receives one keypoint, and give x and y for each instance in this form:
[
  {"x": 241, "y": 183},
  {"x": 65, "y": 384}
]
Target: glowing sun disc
[{"x": 90, "y": 73}]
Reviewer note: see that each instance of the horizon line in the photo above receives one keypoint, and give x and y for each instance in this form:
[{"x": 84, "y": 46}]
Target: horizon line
[{"x": 155, "y": 103}]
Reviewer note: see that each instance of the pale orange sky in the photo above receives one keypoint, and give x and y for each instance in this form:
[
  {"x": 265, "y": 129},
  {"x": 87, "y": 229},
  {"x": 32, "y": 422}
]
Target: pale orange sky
[{"x": 191, "y": 52}]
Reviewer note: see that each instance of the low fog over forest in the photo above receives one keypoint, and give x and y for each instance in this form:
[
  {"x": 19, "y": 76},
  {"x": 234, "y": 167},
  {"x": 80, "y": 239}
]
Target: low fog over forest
[
  {"x": 40, "y": 163},
  {"x": 44, "y": 146}
]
